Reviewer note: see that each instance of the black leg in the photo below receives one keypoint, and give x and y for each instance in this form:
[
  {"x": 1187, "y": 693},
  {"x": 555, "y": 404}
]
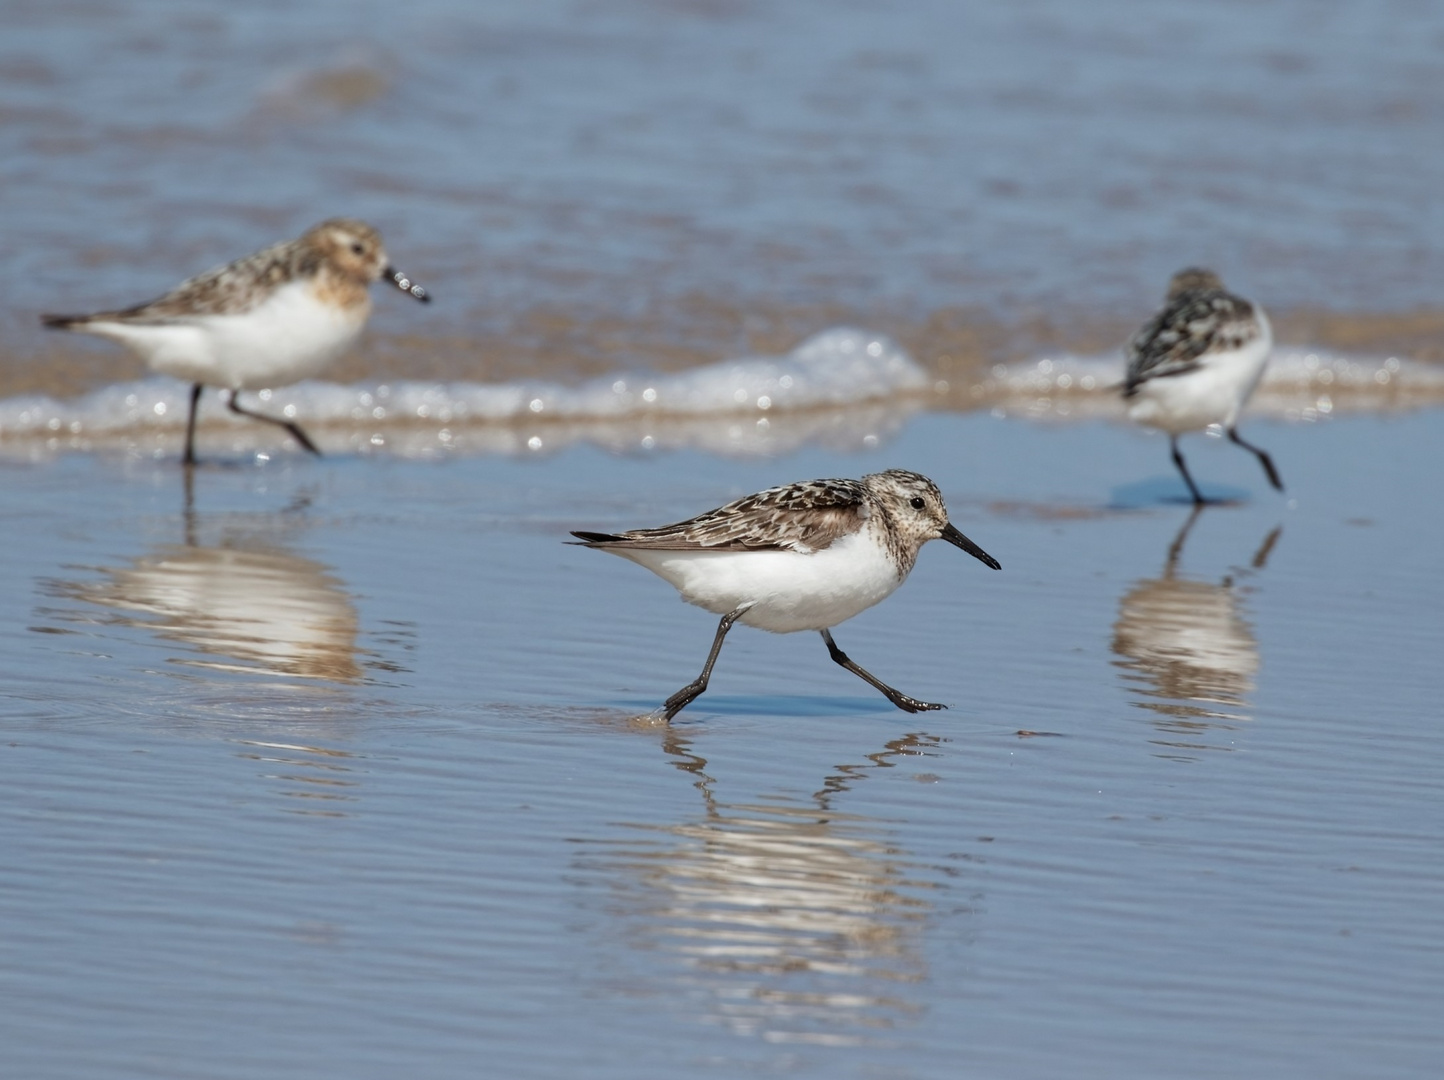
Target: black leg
[
  {"x": 902, "y": 701},
  {"x": 190, "y": 456},
  {"x": 694, "y": 689},
  {"x": 1198, "y": 500},
  {"x": 296, "y": 432},
  {"x": 1263, "y": 458}
]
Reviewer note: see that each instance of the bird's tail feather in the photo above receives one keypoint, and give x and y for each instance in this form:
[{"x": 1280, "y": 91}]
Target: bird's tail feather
[
  {"x": 63, "y": 322},
  {"x": 591, "y": 538}
]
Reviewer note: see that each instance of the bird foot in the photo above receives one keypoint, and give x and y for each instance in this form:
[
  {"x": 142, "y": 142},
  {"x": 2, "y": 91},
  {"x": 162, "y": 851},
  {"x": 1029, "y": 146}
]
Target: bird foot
[{"x": 913, "y": 705}]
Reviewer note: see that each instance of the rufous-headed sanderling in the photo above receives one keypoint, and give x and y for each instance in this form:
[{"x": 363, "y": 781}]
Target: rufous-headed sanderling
[
  {"x": 267, "y": 320},
  {"x": 1196, "y": 363},
  {"x": 804, "y": 556}
]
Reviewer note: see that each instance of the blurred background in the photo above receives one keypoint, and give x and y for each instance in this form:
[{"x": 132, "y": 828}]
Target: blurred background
[{"x": 588, "y": 185}]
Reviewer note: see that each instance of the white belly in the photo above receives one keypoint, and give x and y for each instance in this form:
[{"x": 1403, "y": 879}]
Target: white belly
[
  {"x": 289, "y": 337},
  {"x": 788, "y": 591},
  {"x": 1214, "y": 394}
]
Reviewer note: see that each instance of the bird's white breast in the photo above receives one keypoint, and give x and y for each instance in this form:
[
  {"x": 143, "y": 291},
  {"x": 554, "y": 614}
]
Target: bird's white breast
[
  {"x": 788, "y": 590},
  {"x": 289, "y": 336},
  {"x": 1214, "y": 393}
]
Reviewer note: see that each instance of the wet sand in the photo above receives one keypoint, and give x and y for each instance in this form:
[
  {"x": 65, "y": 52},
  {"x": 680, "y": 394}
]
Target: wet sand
[{"x": 336, "y": 771}]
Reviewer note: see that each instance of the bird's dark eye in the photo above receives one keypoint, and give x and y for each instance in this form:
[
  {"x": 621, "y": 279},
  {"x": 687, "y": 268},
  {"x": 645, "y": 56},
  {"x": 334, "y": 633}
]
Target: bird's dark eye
[
  {"x": 358, "y": 248},
  {"x": 917, "y": 502}
]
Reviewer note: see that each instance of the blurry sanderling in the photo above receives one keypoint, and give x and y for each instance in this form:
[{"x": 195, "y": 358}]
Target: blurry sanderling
[
  {"x": 805, "y": 556},
  {"x": 1197, "y": 362},
  {"x": 267, "y": 320}
]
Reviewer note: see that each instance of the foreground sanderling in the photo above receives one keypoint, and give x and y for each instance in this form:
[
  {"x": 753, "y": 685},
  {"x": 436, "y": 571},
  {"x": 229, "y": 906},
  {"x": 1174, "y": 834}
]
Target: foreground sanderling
[
  {"x": 267, "y": 320},
  {"x": 804, "y": 556},
  {"x": 1197, "y": 362}
]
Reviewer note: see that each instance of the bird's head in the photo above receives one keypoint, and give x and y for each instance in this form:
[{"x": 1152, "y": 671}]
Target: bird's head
[{"x": 918, "y": 512}]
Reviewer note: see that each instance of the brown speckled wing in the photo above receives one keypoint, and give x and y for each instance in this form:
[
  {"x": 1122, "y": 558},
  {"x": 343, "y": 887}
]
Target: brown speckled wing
[
  {"x": 806, "y": 516},
  {"x": 227, "y": 290},
  {"x": 1194, "y": 324}
]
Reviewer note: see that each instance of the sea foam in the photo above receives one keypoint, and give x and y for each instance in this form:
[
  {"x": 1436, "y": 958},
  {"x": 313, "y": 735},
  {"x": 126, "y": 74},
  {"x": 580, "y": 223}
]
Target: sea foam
[
  {"x": 1299, "y": 384},
  {"x": 844, "y": 387},
  {"x": 836, "y": 369}
]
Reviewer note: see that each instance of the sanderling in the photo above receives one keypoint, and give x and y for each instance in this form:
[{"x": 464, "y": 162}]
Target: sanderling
[
  {"x": 1196, "y": 363},
  {"x": 804, "y": 556},
  {"x": 267, "y": 320}
]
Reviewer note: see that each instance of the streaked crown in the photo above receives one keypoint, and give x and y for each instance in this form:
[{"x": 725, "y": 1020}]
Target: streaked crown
[{"x": 1194, "y": 279}]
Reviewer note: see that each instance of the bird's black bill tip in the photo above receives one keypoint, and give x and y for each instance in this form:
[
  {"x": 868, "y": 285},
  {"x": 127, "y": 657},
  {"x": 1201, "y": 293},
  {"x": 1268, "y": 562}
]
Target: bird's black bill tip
[
  {"x": 406, "y": 285},
  {"x": 957, "y": 539}
]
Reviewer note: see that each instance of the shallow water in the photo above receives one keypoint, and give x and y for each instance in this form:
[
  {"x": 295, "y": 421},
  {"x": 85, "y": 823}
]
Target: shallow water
[
  {"x": 331, "y": 767},
  {"x": 336, "y": 774}
]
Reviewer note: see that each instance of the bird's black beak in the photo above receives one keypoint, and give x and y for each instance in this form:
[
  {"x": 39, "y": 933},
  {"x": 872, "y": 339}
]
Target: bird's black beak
[
  {"x": 957, "y": 539},
  {"x": 406, "y": 285}
]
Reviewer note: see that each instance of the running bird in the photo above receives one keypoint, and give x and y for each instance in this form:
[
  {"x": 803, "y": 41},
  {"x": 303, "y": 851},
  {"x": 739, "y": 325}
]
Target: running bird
[
  {"x": 804, "y": 556},
  {"x": 267, "y": 320},
  {"x": 1197, "y": 362}
]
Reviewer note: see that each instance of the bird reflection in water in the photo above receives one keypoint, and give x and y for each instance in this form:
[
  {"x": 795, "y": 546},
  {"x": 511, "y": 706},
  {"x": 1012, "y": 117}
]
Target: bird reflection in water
[
  {"x": 234, "y": 601},
  {"x": 243, "y": 603},
  {"x": 317, "y": 777},
  {"x": 1187, "y": 647},
  {"x": 793, "y": 922}
]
